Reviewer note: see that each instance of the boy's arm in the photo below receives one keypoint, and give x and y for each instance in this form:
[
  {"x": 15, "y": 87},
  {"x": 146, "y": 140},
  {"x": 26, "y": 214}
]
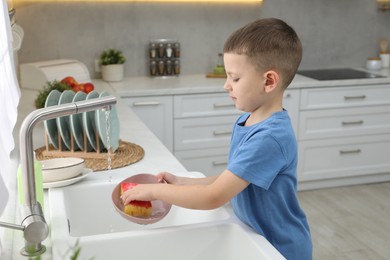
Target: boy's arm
[
  {"x": 178, "y": 180},
  {"x": 198, "y": 196}
]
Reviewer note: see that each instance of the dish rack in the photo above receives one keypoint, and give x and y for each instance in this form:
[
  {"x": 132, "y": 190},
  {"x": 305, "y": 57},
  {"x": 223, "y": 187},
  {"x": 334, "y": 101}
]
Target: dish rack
[{"x": 53, "y": 152}]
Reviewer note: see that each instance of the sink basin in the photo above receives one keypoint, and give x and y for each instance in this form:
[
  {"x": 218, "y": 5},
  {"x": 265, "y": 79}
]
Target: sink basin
[
  {"x": 226, "y": 241},
  {"x": 87, "y": 210},
  {"x": 84, "y": 213}
]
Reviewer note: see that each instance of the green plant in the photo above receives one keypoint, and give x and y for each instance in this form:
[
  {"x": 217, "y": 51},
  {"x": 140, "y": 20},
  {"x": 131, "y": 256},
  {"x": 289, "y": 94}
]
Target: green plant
[
  {"x": 111, "y": 56},
  {"x": 50, "y": 85}
]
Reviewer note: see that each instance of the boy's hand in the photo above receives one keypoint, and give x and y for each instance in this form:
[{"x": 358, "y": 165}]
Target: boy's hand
[
  {"x": 141, "y": 192},
  {"x": 167, "y": 177}
]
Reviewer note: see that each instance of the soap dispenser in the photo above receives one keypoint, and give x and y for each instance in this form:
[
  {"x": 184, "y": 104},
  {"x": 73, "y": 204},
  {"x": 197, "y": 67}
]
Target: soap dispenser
[{"x": 38, "y": 182}]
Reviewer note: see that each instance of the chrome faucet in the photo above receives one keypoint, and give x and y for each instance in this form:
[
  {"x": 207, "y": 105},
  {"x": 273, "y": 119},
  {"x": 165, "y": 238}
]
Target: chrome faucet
[{"x": 33, "y": 225}]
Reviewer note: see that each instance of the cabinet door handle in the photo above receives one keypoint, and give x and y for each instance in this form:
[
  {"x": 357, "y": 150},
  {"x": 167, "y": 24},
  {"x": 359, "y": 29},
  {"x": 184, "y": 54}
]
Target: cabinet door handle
[
  {"x": 354, "y": 97},
  {"x": 146, "y": 103},
  {"x": 359, "y": 122},
  {"x": 216, "y": 133},
  {"x": 219, "y": 163},
  {"x": 350, "y": 151},
  {"x": 220, "y": 105}
]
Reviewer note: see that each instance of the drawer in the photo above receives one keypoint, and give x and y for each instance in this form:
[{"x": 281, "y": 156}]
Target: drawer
[
  {"x": 156, "y": 112},
  {"x": 346, "y": 157},
  {"x": 202, "y": 105},
  {"x": 344, "y": 122},
  {"x": 199, "y": 133},
  {"x": 345, "y": 97},
  {"x": 210, "y": 162}
]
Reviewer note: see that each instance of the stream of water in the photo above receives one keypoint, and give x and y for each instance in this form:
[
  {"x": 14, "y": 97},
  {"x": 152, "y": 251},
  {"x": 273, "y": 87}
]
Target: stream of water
[{"x": 108, "y": 129}]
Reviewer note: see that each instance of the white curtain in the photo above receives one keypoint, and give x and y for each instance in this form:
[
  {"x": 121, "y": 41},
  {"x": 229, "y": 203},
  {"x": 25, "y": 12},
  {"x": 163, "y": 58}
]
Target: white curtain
[{"x": 9, "y": 100}]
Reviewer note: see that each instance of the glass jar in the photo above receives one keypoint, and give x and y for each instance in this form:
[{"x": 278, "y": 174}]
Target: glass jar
[
  {"x": 161, "y": 67},
  {"x": 169, "y": 69},
  {"x": 153, "y": 68},
  {"x": 161, "y": 50},
  {"x": 153, "y": 51},
  {"x": 176, "y": 67},
  {"x": 176, "y": 50},
  {"x": 168, "y": 50}
]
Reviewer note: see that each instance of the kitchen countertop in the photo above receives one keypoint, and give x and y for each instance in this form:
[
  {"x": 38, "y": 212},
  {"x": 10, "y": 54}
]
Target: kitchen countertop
[{"x": 199, "y": 84}]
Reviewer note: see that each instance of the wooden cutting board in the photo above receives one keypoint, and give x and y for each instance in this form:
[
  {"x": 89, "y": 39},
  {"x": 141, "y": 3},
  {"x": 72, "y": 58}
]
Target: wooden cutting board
[{"x": 213, "y": 75}]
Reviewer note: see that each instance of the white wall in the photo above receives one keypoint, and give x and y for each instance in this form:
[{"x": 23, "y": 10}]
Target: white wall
[{"x": 334, "y": 33}]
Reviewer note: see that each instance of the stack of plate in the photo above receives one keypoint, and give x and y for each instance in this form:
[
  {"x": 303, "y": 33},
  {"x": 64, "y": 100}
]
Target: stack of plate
[{"x": 60, "y": 129}]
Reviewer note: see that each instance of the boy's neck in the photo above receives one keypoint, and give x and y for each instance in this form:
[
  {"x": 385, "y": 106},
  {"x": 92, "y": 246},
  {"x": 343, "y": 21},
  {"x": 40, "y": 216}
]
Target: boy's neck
[{"x": 265, "y": 111}]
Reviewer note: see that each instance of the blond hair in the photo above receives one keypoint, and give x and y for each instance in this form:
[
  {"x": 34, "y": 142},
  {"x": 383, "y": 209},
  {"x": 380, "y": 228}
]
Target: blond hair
[{"x": 270, "y": 44}]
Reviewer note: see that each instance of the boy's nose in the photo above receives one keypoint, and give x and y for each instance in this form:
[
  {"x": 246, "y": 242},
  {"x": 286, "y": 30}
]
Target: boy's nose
[{"x": 227, "y": 86}]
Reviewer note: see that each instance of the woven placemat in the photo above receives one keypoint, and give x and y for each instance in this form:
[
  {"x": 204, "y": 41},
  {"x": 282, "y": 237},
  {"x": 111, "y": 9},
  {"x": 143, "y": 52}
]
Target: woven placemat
[{"x": 127, "y": 153}]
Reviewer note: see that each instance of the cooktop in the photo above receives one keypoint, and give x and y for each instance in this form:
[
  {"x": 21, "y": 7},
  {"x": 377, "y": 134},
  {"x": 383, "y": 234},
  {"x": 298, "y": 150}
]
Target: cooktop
[{"x": 337, "y": 74}]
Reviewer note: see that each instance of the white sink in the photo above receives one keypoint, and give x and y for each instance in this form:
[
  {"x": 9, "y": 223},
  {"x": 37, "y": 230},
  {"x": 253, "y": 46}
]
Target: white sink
[
  {"x": 87, "y": 210},
  {"x": 84, "y": 212},
  {"x": 226, "y": 241}
]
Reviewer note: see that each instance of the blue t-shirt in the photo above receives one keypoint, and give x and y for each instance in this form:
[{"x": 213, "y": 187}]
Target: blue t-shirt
[{"x": 265, "y": 154}]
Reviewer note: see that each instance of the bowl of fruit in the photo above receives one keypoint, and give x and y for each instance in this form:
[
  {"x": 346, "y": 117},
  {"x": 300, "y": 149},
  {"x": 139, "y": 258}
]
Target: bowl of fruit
[{"x": 67, "y": 83}]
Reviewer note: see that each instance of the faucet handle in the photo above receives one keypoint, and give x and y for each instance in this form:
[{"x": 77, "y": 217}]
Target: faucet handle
[{"x": 35, "y": 230}]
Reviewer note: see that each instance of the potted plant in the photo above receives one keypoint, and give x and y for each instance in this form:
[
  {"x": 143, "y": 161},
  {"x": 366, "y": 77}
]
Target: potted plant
[{"x": 111, "y": 62}]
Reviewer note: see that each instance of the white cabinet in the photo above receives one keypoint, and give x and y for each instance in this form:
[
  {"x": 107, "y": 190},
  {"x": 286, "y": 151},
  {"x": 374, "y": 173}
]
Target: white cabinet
[
  {"x": 156, "y": 112},
  {"x": 341, "y": 97},
  {"x": 202, "y": 131},
  {"x": 209, "y": 161},
  {"x": 344, "y": 132},
  {"x": 203, "y": 126},
  {"x": 197, "y": 127},
  {"x": 340, "y": 158}
]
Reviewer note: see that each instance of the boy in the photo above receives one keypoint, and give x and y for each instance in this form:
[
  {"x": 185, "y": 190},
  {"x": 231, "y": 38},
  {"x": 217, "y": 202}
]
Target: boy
[{"x": 260, "y": 180}]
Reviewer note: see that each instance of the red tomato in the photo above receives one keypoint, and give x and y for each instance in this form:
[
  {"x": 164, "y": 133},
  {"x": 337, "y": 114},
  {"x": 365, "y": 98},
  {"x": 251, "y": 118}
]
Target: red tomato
[
  {"x": 81, "y": 87},
  {"x": 88, "y": 87},
  {"x": 70, "y": 81}
]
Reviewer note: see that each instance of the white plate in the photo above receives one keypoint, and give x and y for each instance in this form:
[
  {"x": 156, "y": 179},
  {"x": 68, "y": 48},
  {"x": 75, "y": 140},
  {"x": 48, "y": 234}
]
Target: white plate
[
  {"x": 101, "y": 125},
  {"x": 56, "y": 184},
  {"x": 89, "y": 123},
  {"x": 76, "y": 124},
  {"x": 51, "y": 124},
  {"x": 63, "y": 123}
]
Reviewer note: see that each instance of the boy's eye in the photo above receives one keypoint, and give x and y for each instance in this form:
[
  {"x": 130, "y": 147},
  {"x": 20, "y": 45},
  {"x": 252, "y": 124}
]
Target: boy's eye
[{"x": 236, "y": 79}]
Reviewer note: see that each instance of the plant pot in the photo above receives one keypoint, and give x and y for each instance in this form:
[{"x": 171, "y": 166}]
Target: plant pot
[{"x": 113, "y": 72}]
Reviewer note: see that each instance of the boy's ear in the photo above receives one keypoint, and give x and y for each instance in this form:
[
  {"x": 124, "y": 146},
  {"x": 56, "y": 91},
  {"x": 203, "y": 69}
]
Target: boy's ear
[{"x": 271, "y": 80}]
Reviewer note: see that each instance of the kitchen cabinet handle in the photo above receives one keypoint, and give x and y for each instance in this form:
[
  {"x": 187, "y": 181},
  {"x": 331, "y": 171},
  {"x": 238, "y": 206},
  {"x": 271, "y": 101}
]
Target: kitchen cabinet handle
[
  {"x": 354, "y": 97},
  {"x": 219, "y": 163},
  {"x": 216, "y": 133},
  {"x": 288, "y": 95},
  {"x": 221, "y": 105},
  {"x": 146, "y": 103},
  {"x": 359, "y": 122},
  {"x": 350, "y": 151}
]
